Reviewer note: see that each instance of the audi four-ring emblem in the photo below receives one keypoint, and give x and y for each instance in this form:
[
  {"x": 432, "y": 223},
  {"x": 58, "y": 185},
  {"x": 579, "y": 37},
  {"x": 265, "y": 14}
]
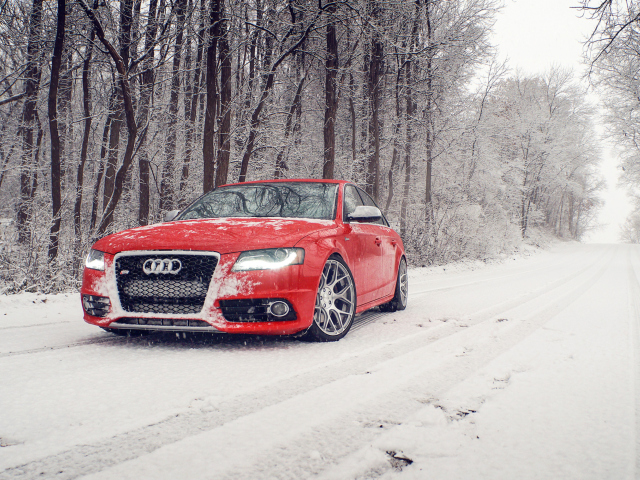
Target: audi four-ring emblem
[{"x": 166, "y": 265}]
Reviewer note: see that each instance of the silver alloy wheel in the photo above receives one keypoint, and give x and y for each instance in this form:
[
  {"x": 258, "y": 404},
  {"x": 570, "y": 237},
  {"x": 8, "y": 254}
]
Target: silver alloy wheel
[
  {"x": 335, "y": 301},
  {"x": 404, "y": 282}
]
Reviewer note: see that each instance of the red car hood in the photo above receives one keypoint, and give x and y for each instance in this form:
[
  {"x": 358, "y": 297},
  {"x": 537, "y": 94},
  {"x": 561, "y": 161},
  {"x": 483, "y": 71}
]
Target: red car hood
[{"x": 222, "y": 235}]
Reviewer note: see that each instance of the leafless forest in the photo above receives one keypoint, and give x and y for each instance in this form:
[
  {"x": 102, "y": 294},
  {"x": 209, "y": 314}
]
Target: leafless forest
[
  {"x": 613, "y": 53},
  {"x": 113, "y": 112}
]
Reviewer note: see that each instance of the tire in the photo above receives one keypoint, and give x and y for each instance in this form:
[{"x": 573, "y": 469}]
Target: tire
[
  {"x": 399, "y": 301},
  {"x": 335, "y": 303}
]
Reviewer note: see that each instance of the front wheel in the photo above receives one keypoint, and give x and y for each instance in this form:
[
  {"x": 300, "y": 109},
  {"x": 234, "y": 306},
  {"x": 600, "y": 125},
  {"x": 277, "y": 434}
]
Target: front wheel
[
  {"x": 399, "y": 301},
  {"x": 335, "y": 303}
]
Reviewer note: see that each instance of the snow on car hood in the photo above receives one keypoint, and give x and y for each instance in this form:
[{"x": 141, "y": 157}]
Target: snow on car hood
[{"x": 222, "y": 235}]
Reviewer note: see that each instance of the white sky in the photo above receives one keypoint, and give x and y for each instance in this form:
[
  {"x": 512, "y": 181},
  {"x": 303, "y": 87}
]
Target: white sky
[{"x": 536, "y": 34}]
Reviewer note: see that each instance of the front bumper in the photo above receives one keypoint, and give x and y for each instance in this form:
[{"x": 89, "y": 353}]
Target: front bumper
[{"x": 291, "y": 283}]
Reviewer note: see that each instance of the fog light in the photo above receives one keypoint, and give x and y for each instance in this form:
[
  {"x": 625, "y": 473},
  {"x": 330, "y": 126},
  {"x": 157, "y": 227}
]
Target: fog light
[
  {"x": 279, "y": 309},
  {"x": 96, "y": 306}
]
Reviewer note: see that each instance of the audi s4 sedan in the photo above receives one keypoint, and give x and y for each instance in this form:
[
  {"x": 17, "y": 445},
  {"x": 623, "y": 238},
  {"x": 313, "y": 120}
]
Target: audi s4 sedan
[{"x": 278, "y": 257}]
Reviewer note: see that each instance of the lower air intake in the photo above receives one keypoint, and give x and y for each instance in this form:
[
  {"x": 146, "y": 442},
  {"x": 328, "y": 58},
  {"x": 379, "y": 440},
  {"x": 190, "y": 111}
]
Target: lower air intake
[
  {"x": 165, "y": 322},
  {"x": 256, "y": 310}
]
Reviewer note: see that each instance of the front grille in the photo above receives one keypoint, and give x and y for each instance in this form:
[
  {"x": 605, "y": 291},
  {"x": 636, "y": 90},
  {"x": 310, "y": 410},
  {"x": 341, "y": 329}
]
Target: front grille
[
  {"x": 166, "y": 292},
  {"x": 254, "y": 310}
]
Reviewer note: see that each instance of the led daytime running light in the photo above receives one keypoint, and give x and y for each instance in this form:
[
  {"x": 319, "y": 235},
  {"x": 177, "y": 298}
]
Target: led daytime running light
[{"x": 268, "y": 259}]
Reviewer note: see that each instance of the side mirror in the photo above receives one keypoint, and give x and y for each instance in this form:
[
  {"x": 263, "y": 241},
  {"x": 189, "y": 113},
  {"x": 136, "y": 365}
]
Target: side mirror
[
  {"x": 365, "y": 213},
  {"x": 171, "y": 215}
]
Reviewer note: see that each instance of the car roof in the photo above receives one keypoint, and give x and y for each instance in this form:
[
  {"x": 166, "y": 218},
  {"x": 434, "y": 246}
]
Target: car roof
[{"x": 283, "y": 180}]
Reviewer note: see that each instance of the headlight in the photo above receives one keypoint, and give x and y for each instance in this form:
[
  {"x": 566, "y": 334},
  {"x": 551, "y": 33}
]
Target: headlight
[
  {"x": 95, "y": 260},
  {"x": 268, "y": 259}
]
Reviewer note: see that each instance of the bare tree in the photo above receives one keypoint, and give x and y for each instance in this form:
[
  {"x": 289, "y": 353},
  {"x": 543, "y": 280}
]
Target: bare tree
[
  {"x": 146, "y": 92},
  {"x": 29, "y": 120},
  {"x": 372, "y": 185},
  {"x": 53, "y": 128},
  {"x": 465, "y": 167},
  {"x": 86, "y": 104},
  {"x": 191, "y": 103},
  {"x": 224, "y": 137},
  {"x": 166, "y": 185},
  {"x": 212, "y": 87},
  {"x": 267, "y": 85},
  {"x": 107, "y": 216},
  {"x": 331, "y": 96}
]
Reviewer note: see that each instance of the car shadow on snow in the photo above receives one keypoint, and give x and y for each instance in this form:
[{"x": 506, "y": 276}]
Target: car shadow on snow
[{"x": 191, "y": 340}]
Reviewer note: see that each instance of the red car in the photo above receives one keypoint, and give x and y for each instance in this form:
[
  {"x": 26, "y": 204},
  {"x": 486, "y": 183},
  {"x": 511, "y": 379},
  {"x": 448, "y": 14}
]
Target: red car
[{"x": 270, "y": 257}]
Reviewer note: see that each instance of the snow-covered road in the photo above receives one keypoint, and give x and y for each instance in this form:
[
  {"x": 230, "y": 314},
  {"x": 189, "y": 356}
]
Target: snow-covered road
[{"x": 525, "y": 369}]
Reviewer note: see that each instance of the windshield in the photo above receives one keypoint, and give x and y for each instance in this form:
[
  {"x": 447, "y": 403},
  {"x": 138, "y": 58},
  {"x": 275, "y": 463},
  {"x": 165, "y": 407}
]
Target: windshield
[{"x": 286, "y": 199}]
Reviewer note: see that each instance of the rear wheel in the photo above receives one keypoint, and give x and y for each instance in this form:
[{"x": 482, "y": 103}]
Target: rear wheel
[
  {"x": 335, "y": 303},
  {"x": 399, "y": 301}
]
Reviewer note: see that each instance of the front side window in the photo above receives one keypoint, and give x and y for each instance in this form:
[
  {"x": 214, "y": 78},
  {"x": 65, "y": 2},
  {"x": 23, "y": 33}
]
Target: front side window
[{"x": 313, "y": 200}]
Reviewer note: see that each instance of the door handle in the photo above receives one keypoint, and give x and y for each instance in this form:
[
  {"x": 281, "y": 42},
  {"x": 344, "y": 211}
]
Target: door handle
[{"x": 378, "y": 241}]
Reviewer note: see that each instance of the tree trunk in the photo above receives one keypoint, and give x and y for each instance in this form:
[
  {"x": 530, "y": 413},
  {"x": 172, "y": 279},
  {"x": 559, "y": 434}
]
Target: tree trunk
[
  {"x": 32, "y": 84},
  {"x": 210, "y": 114},
  {"x": 252, "y": 53},
  {"x": 126, "y": 10},
  {"x": 429, "y": 114},
  {"x": 281, "y": 165},
  {"x": 224, "y": 138},
  {"x": 191, "y": 106},
  {"x": 373, "y": 167},
  {"x": 331, "y": 98},
  {"x": 56, "y": 61},
  {"x": 86, "y": 103},
  {"x": 146, "y": 92},
  {"x": 396, "y": 132},
  {"x": 65, "y": 127},
  {"x": 409, "y": 112},
  {"x": 255, "y": 34},
  {"x": 375, "y": 67},
  {"x": 107, "y": 217},
  {"x": 300, "y": 72},
  {"x": 354, "y": 124},
  {"x": 5, "y": 157},
  {"x": 166, "y": 182},
  {"x": 113, "y": 150},
  {"x": 268, "y": 80},
  {"x": 100, "y": 175}
]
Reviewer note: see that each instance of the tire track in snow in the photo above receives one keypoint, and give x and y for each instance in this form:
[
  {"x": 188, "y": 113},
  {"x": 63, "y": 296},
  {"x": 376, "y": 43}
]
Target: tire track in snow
[
  {"x": 370, "y": 317},
  {"x": 377, "y": 418},
  {"x": 87, "y": 459},
  {"x": 276, "y": 441},
  {"x": 13, "y": 327},
  {"x": 525, "y": 296},
  {"x": 490, "y": 279},
  {"x": 83, "y": 343}
]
